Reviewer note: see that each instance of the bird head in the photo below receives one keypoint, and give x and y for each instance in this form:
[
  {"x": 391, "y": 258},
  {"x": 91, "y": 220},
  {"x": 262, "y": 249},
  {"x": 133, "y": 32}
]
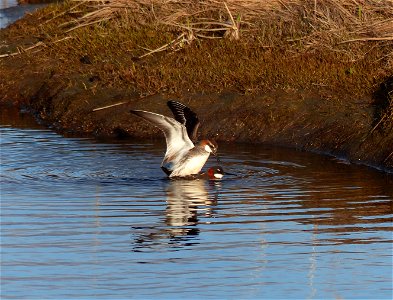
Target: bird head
[
  {"x": 209, "y": 146},
  {"x": 215, "y": 172}
]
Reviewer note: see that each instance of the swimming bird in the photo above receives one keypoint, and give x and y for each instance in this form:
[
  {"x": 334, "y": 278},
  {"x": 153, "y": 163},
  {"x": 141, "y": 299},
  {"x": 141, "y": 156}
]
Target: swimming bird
[
  {"x": 213, "y": 173},
  {"x": 182, "y": 158}
]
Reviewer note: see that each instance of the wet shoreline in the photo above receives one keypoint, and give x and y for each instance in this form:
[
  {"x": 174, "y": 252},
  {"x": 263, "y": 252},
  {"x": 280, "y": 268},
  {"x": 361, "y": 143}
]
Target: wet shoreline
[{"x": 266, "y": 121}]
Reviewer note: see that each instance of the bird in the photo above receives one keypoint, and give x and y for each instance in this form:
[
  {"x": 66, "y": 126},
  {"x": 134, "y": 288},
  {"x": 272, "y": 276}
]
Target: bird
[
  {"x": 213, "y": 173},
  {"x": 182, "y": 157}
]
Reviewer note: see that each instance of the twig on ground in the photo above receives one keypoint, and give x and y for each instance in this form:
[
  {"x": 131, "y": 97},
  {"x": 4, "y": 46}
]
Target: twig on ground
[
  {"x": 176, "y": 44},
  {"x": 109, "y": 106},
  {"x": 23, "y": 50},
  {"x": 63, "y": 13},
  {"x": 387, "y": 38}
]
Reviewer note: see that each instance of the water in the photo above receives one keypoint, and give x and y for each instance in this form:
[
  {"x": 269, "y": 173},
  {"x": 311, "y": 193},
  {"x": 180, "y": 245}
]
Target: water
[
  {"x": 89, "y": 219},
  {"x": 10, "y": 11},
  {"x": 8, "y": 3}
]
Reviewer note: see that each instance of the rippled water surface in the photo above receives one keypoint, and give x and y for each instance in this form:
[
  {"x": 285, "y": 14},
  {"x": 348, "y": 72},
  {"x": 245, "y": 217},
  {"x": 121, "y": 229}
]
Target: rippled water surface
[{"x": 82, "y": 218}]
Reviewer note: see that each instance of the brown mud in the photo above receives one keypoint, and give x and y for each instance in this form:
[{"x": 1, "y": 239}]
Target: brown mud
[{"x": 306, "y": 100}]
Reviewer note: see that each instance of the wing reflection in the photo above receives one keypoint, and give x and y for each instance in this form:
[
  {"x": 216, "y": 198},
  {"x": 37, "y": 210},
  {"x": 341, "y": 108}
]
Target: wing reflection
[{"x": 187, "y": 201}]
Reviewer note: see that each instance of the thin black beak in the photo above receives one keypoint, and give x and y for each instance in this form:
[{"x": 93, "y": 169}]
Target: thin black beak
[
  {"x": 227, "y": 173},
  {"x": 219, "y": 163}
]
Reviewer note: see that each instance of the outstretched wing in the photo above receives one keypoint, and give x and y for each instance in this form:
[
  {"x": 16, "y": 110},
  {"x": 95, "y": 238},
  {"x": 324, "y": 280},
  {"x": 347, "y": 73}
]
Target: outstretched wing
[
  {"x": 175, "y": 133},
  {"x": 185, "y": 116}
]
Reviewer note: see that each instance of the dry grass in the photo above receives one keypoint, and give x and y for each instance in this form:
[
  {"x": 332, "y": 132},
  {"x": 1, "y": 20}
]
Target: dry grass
[
  {"x": 323, "y": 25},
  {"x": 247, "y": 45},
  {"x": 320, "y": 21},
  {"x": 350, "y": 30}
]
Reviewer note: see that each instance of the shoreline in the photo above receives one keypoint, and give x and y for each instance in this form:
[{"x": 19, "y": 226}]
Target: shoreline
[{"x": 314, "y": 101}]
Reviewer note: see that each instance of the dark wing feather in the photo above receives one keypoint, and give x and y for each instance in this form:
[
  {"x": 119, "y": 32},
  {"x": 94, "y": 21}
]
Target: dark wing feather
[{"x": 185, "y": 116}]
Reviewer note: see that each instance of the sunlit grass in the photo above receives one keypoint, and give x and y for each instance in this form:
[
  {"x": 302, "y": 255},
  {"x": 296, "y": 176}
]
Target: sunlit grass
[{"x": 344, "y": 46}]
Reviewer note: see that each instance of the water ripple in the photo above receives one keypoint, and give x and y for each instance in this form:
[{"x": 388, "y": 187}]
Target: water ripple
[{"x": 82, "y": 218}]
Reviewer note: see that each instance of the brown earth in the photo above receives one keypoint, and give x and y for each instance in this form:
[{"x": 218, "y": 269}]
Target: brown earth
[{"x": 323, "y": 116}]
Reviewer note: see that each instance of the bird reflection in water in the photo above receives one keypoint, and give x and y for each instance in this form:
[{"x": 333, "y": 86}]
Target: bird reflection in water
[
  {"x": 187, "y": 201},
  {"x": 188, "y": 198}
]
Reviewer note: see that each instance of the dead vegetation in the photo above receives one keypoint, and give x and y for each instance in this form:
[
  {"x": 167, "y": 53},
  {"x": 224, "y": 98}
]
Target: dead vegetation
[
  {"x": 296, "y": 25},
  {"x": 345, "y": 37},
  {"x": 311, "y": 23},
  {"x": 248, "y": 45},
  {"x": 352, "y": 29}
]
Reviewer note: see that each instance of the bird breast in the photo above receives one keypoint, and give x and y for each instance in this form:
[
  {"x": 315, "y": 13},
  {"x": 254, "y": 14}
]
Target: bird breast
[{"x": 190, "y": 164}]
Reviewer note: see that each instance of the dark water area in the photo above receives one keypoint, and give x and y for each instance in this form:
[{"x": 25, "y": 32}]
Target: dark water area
[
  {"x": 10, "y": 11},
  {"x": 96, "y": 219}
]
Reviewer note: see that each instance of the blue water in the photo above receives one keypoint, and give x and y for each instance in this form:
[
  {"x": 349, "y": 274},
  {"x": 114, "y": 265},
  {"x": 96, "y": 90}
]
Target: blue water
[
  {"x": 97, "y": 219},
  {"x": 10, "y": 11},
  {"x": 8, "y": 3}
]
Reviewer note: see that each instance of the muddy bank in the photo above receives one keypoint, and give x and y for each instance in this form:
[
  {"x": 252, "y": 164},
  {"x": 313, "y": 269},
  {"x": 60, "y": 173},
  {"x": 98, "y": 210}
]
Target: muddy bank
[
  {"x": 301, "y": 119},
  {"x": 243, "y": 92}
]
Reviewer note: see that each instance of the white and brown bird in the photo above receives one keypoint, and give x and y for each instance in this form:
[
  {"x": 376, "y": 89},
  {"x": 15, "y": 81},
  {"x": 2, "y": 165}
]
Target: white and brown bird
[{"x": 182, "y": 157}]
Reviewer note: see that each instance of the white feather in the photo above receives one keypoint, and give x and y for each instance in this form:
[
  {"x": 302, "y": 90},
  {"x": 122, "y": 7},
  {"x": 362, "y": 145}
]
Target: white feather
[
  {"x": 208, "y": 149},
  {"x": 175, "y": 133},
  {"x": 181, "y": 154},
  {"x": 192, "y": 165}
]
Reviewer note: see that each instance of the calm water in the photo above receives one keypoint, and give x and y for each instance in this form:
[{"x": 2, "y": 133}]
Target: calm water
[
  {"x": 82, "y": 218},
  {"x": 10, "y": 11},
  {"x": 8, "y": 3}
]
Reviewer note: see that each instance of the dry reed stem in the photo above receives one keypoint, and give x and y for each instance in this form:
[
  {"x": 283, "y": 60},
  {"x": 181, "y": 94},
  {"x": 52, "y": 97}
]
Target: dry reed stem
[
  {"x": 63, "y": 13},
  {"x": 88, "y": 24},
  {"x": 388, "y": 38},
  {"x": 388, "y": 157},
  {"x": 22, "y": 50},
  {"x": 233, "y": 34},
  {"x": 175, "y": 44},
  {"x": 109, "y": 106}
]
